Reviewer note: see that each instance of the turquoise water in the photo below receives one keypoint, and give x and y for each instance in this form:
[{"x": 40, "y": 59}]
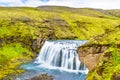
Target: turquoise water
[
  {"x": 59, "y": 59},
  {"x": 33, "y": 70}
]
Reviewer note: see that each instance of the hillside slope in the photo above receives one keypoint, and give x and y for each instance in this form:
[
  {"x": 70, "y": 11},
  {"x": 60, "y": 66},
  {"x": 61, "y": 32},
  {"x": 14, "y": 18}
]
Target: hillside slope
[
  {"x": 82, "y": 11},
  {"x": 24, "y": 30}
]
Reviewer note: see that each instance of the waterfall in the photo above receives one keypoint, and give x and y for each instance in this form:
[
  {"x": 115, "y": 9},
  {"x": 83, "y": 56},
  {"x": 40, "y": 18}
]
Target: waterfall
[{"x": 61, "y": 54}]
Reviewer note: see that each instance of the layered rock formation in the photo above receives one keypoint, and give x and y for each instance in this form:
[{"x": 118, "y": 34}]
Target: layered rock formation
[{"x": 90, "y": 55}]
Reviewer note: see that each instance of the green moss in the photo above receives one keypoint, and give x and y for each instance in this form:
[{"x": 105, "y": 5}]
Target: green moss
[
  {"x": 108, "y": 65},
  {"x": 10, "y": 51},
  {"x": 11, "y": 56},
  {"x": 18, "y": 23}
]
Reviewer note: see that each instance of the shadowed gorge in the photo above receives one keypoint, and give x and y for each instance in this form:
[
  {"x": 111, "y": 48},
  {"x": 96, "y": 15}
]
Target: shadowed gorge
[{"x": 24, "y": 30}]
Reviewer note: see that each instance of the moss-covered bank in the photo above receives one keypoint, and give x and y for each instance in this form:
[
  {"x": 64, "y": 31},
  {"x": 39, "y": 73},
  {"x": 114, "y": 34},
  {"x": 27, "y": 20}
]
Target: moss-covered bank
[{"x": 102, "y": 61}]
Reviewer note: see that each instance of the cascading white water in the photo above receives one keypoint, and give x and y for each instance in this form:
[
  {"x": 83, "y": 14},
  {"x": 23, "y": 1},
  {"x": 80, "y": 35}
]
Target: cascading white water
[{"x": 61, "y": 54}]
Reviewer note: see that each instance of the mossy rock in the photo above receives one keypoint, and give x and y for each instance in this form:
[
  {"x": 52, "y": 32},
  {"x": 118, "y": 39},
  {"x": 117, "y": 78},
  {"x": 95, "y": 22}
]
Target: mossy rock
[{"x": 43, "y": 76}]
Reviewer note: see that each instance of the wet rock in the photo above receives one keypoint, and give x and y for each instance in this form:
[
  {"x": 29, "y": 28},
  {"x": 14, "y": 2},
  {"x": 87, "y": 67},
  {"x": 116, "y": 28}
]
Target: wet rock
[{"x": 42, "y": 77}]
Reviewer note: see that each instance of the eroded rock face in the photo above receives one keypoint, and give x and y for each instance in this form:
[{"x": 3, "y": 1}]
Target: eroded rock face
[
  {"x": 37, "y": 44},
  {"x": 90, "y": 55}
]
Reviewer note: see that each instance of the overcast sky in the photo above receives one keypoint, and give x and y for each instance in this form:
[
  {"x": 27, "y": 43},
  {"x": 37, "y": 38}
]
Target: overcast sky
[{"x": 103, "y": 4}]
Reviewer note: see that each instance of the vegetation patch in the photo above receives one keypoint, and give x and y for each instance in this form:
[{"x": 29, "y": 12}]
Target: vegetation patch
[
  {"x": 107, "y": 66},
  {"x": 11, "y": 56}
]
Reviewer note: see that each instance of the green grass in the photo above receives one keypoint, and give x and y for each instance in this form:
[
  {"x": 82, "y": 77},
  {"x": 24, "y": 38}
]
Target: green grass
[
  {"x": 10, "y": 51},
  {"x": 108, "y": 65},
  {"x": 27, "y": 21},
  {"x": 11, "y": 56}
]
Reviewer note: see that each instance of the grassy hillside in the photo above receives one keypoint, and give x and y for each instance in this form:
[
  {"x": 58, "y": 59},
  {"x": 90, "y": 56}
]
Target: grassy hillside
[
  {"x": 114, "y": 12},
  {"x": 23, "y": 30},
  {"x": 82, "y": 11}
]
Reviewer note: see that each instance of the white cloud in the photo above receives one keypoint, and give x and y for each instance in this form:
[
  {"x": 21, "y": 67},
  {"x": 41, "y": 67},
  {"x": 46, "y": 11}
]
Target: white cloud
[
  {"x": 8, "y": 1},
  {"x": 105, "y": 4},
  {"x": 11, "y": 2}
]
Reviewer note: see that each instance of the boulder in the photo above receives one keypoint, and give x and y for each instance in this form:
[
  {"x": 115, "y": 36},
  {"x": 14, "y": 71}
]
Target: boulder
[{"x": 43, "y": 76}]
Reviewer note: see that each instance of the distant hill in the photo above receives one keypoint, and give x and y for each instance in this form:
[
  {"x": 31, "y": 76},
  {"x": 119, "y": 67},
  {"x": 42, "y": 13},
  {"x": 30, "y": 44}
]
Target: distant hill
[{"x": 83, "y": 11}]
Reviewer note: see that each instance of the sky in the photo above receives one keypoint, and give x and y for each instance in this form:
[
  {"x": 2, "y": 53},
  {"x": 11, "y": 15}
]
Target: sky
[{"x": 101, "y": 4}]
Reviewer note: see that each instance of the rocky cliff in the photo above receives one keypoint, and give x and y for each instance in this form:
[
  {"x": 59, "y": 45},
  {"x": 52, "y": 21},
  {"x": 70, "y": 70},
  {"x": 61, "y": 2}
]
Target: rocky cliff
[{"x": 101, "y": 60}]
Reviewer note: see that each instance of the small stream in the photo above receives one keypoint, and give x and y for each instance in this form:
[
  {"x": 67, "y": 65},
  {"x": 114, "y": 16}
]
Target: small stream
[{"x": 59, "y": 59}]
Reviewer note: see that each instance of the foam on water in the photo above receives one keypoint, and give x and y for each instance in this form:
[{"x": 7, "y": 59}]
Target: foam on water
[
  {"x": 62, "y": 55},
  {"x": 59, "y": 59}
]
